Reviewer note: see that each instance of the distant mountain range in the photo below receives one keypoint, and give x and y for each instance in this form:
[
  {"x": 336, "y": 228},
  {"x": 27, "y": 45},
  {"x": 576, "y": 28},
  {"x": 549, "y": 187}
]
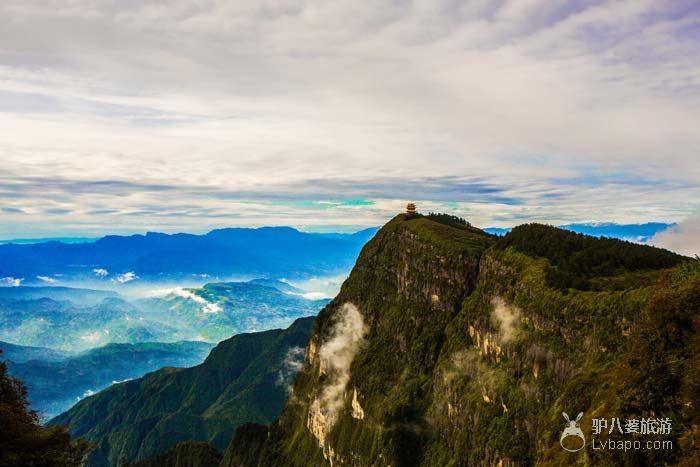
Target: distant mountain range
[
  {"x": 27, "y": 241},
  {"x": 223, "y": 253},
  {"x": 79, "y": 319},
  {"x": 56, "y": 380},
  {"x": 245, "y": 378},
  {"x": 67, "y": 343},
  {"x": 86, "y": 297}
]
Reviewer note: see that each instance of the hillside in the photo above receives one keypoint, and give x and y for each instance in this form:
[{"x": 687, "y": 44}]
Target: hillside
[
  {"x": 447, "y": 346},
  {"x": 184, "y": 454},
  {"x": 244, "y": 378},
  {"x": 22, "y": 353},
  {"x": 23, "y": 441},
  {"x": 86, "y": 297},
  {"x": 54, "y": 385}
]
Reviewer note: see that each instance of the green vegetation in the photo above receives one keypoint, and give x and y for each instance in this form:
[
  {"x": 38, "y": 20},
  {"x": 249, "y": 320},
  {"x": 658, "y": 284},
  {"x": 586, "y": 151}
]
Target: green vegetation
[
  {"x": 23, "y": 442},
  {"x": 55, "y": 384},
  {"x": 244, "y": 378},
  {"x": 576, "y": 258},
  {"x": 448, "y": 219},
  {"x": 185, "y": 454},
  {"x": 475, "y": 345}
]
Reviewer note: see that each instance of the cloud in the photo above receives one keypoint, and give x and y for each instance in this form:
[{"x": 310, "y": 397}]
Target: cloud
[
  {"x": 100, "y": 272},
  {"x": 292, "y": 363},
  {"x": 207, "y": 307},
  {"x": 92, "y": 337},
  {"x": 126, "y": 277},
  {"x": 11, "y": 281},
  {"x": 506, "y": 317},
  {"x": 682, "y": 238},
  {"x": 98, "y": 95},
  {"x": 47, "y": 279},
  {"x": 336, "y": 355}
]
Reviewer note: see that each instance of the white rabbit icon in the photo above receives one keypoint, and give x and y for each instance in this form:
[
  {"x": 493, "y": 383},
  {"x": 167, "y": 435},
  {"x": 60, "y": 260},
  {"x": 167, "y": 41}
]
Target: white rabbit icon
[{"x": 572, "y": 429}]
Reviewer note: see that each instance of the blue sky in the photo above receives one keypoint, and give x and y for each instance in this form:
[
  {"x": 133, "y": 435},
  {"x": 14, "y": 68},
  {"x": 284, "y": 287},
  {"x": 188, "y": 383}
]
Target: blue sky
[{"x": 127, "y": 116}]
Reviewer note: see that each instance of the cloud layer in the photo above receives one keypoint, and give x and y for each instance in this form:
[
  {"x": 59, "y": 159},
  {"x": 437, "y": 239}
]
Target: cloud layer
[
  {"x": 129, "y": 116},
  {"x": 683, "y": 238}
]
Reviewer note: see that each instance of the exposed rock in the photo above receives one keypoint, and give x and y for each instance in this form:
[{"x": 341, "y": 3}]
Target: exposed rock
[{"x": 357, "y": 411}]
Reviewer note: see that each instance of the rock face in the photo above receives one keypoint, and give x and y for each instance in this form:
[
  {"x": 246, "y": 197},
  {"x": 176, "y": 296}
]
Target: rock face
[
  {"x": 469, "y": 347},
  {"x": 407, "y": 285}
]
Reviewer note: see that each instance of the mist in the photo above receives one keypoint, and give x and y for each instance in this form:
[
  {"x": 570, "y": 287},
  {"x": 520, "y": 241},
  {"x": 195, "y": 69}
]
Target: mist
[
  {"x": 336, "y": 355},
  {"x": 506, "y": 317}
]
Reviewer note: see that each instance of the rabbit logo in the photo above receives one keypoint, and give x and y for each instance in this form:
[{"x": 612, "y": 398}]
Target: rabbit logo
[{"x": 573, "y": 429}]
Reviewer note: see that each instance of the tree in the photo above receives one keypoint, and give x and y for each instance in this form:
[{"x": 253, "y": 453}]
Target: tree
[{"x": 23, "y": 441}]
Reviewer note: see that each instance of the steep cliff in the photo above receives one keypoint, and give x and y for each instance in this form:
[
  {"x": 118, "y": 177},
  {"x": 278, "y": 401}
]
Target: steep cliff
[{"x": 447, "y": 346}]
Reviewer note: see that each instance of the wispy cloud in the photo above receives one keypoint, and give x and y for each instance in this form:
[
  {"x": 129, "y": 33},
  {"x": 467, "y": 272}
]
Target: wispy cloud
[
  {"x": 106, "y": 106},
  {"x": 126, "y": 277},
  {"x": 48, "y": 280}
]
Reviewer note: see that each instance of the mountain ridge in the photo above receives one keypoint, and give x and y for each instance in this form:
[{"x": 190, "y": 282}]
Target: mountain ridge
[
  {"x": 468, "y": 353},
  {"x": 283, "y": 251}
]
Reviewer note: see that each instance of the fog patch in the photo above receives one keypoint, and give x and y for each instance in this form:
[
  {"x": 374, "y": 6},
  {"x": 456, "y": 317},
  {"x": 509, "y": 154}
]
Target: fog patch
[
  {"x": 292, "y": 363},
  {"x": 336, "y": 355},
  {"x": 506, "y": 317},
  {"x": 683, "y": 238}
]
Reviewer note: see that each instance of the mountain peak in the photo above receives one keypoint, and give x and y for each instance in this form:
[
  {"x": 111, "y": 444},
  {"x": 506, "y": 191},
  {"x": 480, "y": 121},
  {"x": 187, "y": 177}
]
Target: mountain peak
[{"x": 449, "y": 346}]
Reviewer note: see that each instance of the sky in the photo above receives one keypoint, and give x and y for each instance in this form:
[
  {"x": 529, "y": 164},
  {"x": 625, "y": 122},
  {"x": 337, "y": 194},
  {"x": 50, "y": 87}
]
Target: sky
[{"x": 121, "y": 116}]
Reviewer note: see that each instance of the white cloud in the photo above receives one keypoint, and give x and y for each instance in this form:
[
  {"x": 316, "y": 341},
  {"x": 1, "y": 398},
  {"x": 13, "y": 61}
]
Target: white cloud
[
  {"x": 113, "y": 90},
  {"x": 336, "y": 356},
  {"x": 315, "y": 295},
  {"x": 11, "y": 281},
  {"x": 682, "y": 238},
  {"x": 92, "y": 337},
  {"x": 207, "y": 307},
  {"x": 126, "y": 277},
  {"x": 292, "y": 363},
  {"x": 100, "y": 272},
  {"x": 507, "y": 317},
  {"x": 47, "y": 279}
]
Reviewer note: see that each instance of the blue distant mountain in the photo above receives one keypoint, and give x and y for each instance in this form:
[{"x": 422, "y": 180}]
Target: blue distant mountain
[
  {"x": 632, "y": 232},
  {"x": 56, "y": 381},
  {"x": 261, "y": 252},
  {"x": 85, "y": 297},
  {"x": 279, "y": 285},
  {"x": 27, "y": 241}
]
